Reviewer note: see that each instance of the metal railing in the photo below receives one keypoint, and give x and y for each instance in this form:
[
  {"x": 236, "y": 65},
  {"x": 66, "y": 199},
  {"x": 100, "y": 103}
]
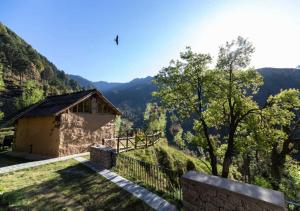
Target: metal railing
[{"x": 164, "y": 182}]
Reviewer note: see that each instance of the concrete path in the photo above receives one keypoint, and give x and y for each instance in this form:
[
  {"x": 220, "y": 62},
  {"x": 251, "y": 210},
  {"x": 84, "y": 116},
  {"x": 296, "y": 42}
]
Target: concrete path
[
  {"x": 148, "y": 197},
  {"x": 16, "y": 167}
]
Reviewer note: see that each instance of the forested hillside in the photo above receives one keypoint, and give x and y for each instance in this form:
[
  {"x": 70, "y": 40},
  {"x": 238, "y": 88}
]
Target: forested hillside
[
  {"x": 276, "y": 79},
  {"x": 25, "y": 75},
  {"x": 132, "y": 98}
]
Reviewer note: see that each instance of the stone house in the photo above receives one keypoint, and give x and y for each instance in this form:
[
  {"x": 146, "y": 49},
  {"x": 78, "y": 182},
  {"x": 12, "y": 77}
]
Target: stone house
[{"x": 65, "y": 124}]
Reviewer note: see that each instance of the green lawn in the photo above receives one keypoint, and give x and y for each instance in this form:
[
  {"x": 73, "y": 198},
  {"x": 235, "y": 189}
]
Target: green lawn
[
  {"x": 6, "y": 160},
  {"x": 63, "y": 185}
]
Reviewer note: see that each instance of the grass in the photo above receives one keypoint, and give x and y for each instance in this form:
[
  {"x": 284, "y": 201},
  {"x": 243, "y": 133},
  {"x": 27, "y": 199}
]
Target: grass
[
  {"x": 6, "y": 160},
  {"x": 63, "y": 185},
  {"x": 159, "y": 180},
  {"x": 169, "y": 157}
]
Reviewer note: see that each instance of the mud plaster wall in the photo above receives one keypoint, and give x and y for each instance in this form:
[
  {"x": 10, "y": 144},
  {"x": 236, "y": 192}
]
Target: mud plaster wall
[
  {"x": 40, "y": 132},
  {"x": 78, "y": 131}
]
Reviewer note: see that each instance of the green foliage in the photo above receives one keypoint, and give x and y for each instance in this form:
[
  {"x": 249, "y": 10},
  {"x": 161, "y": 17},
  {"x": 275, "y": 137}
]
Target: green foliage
[
  {"x": 122, "y": 126},
  {"x": 154, "y": 118},
  {"x": 260, "y": 181},
  {"x": 219, "y": 99},
  {"x": 290, "y": 184},
  {"x": 176, "y": 131},
  {"x": 1, "y": 77},
  {"x": 229, "y": 126},
  {"x": 31, "y": 94},
  {"x": 175, "y": 158},
  {"x": 163, "y": 158}
]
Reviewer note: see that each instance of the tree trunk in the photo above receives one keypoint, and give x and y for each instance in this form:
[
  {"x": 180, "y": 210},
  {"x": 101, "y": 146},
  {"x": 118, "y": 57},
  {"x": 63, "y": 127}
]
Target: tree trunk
[
  {"x": 246, "y": 168},
  {"x": 278, "y": 160},
  {"x": 276, "y": 166},
  {"x": 212, "y": 156},
  {"x": 229, "y": 152}
]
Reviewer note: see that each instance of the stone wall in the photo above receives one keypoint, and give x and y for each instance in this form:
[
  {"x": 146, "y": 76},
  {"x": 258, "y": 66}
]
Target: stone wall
[
  {"x": 206, "y": 192},
  {"x": 79, "y": 131},
  {"x": 102, "y": 156}
]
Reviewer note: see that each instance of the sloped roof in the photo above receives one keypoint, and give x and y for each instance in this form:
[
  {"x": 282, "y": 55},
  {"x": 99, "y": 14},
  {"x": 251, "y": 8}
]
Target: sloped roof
[{"x": 54, "y": 105}]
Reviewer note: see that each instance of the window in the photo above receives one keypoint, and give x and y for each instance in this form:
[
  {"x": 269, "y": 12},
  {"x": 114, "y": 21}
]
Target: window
[
  {"x": 80, "y": 107},
  {"x": 75, "y": 109},
  {"x": 100, "y": 107},
  {"x": 85, "y": 106},
  {"x": 103, "y": 107}
]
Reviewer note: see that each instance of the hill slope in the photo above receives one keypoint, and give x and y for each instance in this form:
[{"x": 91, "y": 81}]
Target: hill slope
[
  {"x": 169, "y": 157},
  {"x": 276, "y": 79},
  {"x": 19, "y": 62},
  {"x": 132, "y": 98}
]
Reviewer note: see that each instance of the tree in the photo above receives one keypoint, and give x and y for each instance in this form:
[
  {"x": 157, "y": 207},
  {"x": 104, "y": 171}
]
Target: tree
[
  {"x": 176, "y": 131},
  {"x": 219, "y": 100},
  {"x": 47, "y": 74},
  {"x": 279, "y": 124},
  {"x": 31, "y": 94},
  {"x": 154, "y": 118},
  {"x": 122, "y": 126}
]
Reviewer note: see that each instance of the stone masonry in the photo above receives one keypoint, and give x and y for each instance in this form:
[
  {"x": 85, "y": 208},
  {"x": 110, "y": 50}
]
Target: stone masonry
[
  {"x": 102, "y": 155},
  {"x": 206, "y": 192}
]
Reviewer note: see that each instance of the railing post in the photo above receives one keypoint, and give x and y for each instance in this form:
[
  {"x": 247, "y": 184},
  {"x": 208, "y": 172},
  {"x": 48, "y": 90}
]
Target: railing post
[
  {"x": 135, "y": 139},
  {"x": 146, "y": 137},
  {"x": 118, "y": 144},
  {"x": 127, "y": 140}
]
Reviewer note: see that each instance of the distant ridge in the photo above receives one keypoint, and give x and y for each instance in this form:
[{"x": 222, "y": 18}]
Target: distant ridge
[
  {"x": 276, "y": 79},
  {"x": 107, "y": 86},
  {"x": 132, "y": 97}
]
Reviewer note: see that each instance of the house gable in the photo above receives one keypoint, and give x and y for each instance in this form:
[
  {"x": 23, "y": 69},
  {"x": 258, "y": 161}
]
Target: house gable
[{"x": 93, "y": 104}]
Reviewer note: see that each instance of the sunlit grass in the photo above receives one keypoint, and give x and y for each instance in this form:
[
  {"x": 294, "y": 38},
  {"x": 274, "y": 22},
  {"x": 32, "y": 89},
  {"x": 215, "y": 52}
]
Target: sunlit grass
[
  {"x": 63, "y": 185},
  {"x": 176, "y": 157}
]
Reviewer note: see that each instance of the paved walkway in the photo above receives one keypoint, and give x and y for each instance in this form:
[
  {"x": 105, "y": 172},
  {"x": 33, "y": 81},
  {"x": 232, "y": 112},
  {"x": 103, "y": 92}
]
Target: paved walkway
[
  {"x": 148, "y": 197},
  {"x": 16, "y": 167}
]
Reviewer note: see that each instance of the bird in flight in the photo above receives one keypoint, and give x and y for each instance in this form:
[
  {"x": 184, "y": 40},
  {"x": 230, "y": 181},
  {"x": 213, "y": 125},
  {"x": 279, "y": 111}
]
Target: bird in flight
[{"x": 117, "y": 39}]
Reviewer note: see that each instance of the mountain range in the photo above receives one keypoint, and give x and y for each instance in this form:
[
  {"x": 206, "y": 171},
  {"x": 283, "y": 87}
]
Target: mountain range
[
  {"x": 132, "y": 97},
  {"x": 19, "y": 62}
]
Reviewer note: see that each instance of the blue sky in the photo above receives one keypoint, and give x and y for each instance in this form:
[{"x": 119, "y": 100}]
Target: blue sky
[{"x": 77, "y": 36}]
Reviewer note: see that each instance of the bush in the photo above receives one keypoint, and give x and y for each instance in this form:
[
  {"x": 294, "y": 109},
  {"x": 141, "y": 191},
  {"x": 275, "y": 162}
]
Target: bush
[
  {"x": 190, "y": 166},
  {"x": 260, "y": 181},
  {"x": 163, "y": 158}
]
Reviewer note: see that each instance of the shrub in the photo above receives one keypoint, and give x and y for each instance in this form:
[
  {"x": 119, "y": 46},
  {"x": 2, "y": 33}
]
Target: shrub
[
  {"x": 190, "y": 166},
  {"x": 163, "y": 158}
]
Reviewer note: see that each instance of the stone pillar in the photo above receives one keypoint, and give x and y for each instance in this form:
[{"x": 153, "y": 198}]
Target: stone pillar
[
  {"x": 207, "y": 192},
  {"x": 102, "y": 155}
]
